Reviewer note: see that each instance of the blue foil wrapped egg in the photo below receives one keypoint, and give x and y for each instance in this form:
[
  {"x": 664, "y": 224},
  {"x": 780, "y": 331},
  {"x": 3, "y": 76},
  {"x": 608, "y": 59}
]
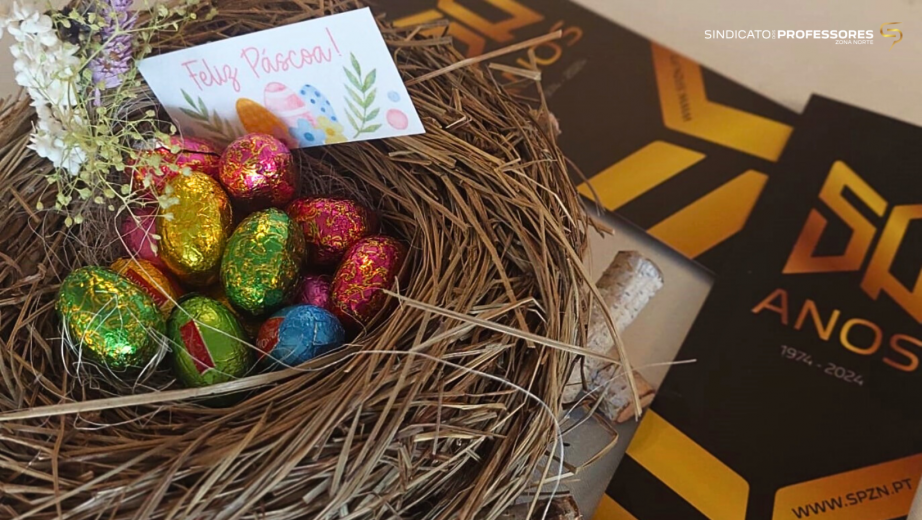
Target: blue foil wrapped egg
[{"x": 296, "y": 334}]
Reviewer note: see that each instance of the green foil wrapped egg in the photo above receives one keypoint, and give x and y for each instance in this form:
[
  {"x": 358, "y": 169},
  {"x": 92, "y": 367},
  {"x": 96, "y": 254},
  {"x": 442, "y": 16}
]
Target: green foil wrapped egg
[
  {"x": 262, "y": 261},
  {"x": 110, "y": 320},
  {"x": 209, "y": 345},
  {"x": 194, "y": 231}
]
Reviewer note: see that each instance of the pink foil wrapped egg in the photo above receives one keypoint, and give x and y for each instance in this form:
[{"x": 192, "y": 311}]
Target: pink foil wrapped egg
[
  {"x": 370, "y": 265},
  {"x": 258, "y": 172},
  {"x": 287, "y": 105},
  {"x": 331, "y": 225},
  {"x": 198, "y": 155},
  {"x": 314, "y": 289},
  {"x": 137, "y": 230}
]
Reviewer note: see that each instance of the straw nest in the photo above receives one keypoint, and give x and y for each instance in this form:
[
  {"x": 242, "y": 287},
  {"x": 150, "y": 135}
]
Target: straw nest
[{"x": 444, "y": 408}]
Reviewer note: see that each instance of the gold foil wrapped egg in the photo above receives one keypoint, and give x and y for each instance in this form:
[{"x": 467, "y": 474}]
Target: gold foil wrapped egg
[
  {"x": 158, "y": 285},
  {"x": 194, "y": 231}
]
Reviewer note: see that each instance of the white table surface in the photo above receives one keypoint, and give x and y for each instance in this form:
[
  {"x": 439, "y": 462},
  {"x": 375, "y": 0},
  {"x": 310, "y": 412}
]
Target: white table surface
[{"x": 873, "y": 77}]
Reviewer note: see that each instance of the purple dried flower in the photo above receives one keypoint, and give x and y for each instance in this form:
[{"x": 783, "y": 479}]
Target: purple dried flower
[{"x": 114, "y": 59}]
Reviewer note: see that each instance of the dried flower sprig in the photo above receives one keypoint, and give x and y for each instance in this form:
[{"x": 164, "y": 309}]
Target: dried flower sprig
[{"x": 79, "y": 66}]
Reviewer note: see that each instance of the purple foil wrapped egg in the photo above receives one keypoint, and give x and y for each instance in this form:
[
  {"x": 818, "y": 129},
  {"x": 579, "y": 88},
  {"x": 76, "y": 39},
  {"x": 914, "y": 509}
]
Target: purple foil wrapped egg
[
  {"x": 370, "y": 265},
  {"x": 138, "y": 229},
  {"x": 314, "y": 289},
  {"x": 331, "y": 226},
  {"x": 258, "y": 172}
]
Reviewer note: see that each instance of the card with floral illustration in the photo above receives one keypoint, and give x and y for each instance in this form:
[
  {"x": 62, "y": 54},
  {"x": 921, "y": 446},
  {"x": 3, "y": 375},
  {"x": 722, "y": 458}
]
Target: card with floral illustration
[{"x": 318, "y": 82}]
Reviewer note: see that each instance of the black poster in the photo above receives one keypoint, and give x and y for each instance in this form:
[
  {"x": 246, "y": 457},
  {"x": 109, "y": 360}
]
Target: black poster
[
  {"x": 670, "y": 146},
  {"x": 802, "y": 401}
]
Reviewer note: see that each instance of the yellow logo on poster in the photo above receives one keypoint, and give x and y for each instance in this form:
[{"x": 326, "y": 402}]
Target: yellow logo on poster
[
  {"x": 891, "y": 32},
  {"x": 877, "y": 275}
]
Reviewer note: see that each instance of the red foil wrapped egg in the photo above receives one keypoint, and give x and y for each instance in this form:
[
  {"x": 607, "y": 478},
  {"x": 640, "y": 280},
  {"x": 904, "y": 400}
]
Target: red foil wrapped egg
[
  {"x": 331, "y": 226},
  {"x": 138, "y": 229},
  {"x": 258, "y": 172},
  {"x": 370, "y": 265},
  {"x": 314, "y": 289},
  {"x": 199, "y": 155}
]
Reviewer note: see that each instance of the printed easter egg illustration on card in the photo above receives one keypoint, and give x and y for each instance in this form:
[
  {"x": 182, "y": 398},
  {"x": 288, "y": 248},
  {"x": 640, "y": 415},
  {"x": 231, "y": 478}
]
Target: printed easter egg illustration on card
[{"x": 314, "y": 83}]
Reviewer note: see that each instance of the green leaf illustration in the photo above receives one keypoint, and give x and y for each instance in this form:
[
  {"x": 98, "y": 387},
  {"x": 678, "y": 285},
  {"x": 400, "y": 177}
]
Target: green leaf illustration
[
  {"x": 351, "y": 120},
  {"x": 370, "y": 99},
  {"x": 355, "y": 64},
  {"x": 361, "y": 97},
  {"x": 369, "y": 80},
  {"x": 355, "y": 97},
  {"x": 211, "y": 121},
  {"x": 352, "y": 79},
  {"x": 193, "y": 115},
  {"x": 188, "y": 97}
]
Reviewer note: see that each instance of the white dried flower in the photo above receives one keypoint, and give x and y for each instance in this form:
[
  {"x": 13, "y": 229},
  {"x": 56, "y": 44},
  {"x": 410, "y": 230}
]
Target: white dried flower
[{"x": 47, "y": 68}]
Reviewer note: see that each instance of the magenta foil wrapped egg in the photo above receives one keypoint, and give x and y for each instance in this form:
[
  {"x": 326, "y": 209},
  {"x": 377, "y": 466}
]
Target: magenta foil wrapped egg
[
  {"x": 314, "y": 289},
  {"x": 370, "y": 265},
  {"x": 258, "y": 172},
  {"x": 331, "y": 226},
  {"x": 199, "y": 155},
  {"x": 138, "y": 229}
]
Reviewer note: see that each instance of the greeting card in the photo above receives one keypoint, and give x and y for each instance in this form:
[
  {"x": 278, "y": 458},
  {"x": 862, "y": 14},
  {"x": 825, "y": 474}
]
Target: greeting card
[{"x": 318, "y": 82}]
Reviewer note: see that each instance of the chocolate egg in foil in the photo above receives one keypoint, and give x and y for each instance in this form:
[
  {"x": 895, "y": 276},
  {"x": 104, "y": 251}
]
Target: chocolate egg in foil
[
  {"x": 250, "y": 324},
  {"x": 314, "y": 289},
  {"x": 138, "y": 230},
  {"x": 209, "y": 345},
  {"x": 194, "y": 231},
  {"x": 370, "y": 265},
  {"x": 262, "y": 262},
  {"x": 158, "y": 285},
  {"x": 198, "y": 155},
  {"x": 109, "y": 320},
  {"x": 331, "y": 225},
  {"x": 296, "y": 334},
  {"x": 258, "y": 172}
]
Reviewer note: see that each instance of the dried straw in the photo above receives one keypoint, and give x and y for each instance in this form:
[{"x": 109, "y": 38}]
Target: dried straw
[{"x": 429, "y": 415}]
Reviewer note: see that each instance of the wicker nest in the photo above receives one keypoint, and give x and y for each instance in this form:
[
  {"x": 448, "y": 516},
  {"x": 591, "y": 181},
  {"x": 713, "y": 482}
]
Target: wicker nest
[{"x": 444, "y": 408}]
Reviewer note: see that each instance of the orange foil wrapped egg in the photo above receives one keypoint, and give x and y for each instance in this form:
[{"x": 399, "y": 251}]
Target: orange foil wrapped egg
[
  {"x": 331, "y": 225},
  {"x": 194, "y": 231},
  {"x": 158, "y": 285},
  {"x": 258, "y": 172},
  {"x": 370, "y": 265},
  {"x": 199, "y": 155}
]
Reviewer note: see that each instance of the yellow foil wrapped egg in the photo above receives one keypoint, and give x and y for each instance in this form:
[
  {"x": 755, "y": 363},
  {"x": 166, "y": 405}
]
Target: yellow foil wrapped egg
[{"x": 194, "y": 231}]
